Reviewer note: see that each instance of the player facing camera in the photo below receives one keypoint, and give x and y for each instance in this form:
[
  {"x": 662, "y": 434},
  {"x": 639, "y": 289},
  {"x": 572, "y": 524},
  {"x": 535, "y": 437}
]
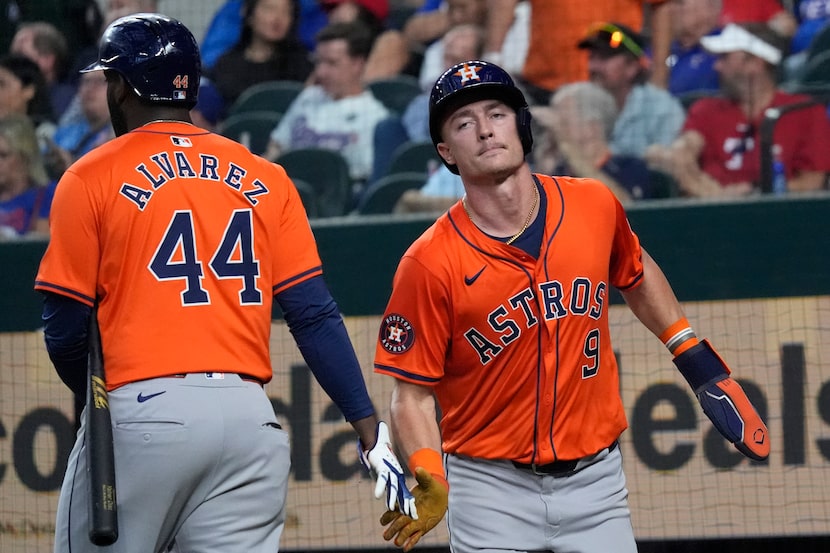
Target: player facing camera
[{"x": 473, "y": 81}]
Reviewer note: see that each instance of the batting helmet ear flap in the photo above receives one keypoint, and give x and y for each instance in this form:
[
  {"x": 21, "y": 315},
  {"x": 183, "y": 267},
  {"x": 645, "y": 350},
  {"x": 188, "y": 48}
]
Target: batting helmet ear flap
[{"x": 523, "y": 118}]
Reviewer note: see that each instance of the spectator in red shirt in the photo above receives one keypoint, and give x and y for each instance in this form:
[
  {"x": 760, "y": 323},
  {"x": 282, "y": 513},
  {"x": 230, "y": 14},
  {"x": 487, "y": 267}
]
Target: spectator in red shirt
[{"x": 717, "y": 153}]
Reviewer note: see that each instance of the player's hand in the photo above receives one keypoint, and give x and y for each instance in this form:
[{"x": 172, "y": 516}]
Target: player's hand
[
  {"x": 724, "y": 401},
  {"x": 385, "y": 469},
  {"x": 431, "y": 496}
]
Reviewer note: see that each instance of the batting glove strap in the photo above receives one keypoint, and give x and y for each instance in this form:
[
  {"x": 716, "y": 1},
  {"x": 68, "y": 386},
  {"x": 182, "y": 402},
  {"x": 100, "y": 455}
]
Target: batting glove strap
[
  {"x": 387, "y": 472},
  {"x": 701, "y": 366}
]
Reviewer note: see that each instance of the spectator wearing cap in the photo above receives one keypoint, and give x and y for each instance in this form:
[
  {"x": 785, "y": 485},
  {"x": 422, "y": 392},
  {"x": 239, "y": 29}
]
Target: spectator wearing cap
[
  {"x": 618, "y": 62},
  {"x": 556, "y": 27},
  {"x": 717, "y": 154}
]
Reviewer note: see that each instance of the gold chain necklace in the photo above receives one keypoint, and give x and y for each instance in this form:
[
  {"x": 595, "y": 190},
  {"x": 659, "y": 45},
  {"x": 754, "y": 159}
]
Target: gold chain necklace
[{"x": 527, "y": 220}]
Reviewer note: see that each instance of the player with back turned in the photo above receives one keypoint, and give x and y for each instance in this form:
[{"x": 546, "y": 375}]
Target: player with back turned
[
  {"x": 182, "y": 239},
  {"x": 500, "y": 312}
]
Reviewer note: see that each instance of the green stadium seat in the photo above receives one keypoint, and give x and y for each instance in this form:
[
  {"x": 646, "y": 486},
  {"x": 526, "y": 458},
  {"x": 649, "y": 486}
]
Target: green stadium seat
[
  {"x": 252, "y": 128},
  {"x": 328, "y": 174},
  {"x": 267, "y": 96},
  {"x": 382, "y": 195}
]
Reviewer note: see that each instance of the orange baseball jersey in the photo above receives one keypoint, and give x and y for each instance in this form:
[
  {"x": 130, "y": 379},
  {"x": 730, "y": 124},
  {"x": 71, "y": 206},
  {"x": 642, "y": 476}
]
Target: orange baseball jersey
[
  {"x": 184, "y": 237},
  {"x": 517, "y": 349}
]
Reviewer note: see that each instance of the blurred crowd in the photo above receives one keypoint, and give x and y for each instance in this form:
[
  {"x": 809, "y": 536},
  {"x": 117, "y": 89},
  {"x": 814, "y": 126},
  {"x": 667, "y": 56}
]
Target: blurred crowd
[{"x": 656, "y": 98}]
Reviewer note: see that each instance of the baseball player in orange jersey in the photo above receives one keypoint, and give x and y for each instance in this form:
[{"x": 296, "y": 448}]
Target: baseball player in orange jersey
[
  {"x": 182, "y": 238},
  {"x": 499, "y": 311}
]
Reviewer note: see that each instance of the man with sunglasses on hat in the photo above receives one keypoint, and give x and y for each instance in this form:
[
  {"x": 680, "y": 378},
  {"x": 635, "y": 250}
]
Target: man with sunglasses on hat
[
  {"x": 556, "y": 26},
  {"x": 618, "y": 62}
]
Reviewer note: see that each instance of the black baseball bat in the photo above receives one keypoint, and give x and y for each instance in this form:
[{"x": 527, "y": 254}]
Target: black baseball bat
[{"x": 103, "y": 510}]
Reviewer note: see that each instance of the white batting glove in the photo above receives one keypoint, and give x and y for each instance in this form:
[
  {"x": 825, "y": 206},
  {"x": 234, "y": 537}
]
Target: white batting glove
[{"x": 384, "y": 467}]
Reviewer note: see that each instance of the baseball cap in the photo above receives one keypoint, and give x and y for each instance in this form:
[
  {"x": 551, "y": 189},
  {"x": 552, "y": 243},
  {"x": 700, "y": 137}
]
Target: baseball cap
[
  {"x": 613, "y": 38},
  {"x": 378, "y": 8},
  {"x": 734, "y": 38}
]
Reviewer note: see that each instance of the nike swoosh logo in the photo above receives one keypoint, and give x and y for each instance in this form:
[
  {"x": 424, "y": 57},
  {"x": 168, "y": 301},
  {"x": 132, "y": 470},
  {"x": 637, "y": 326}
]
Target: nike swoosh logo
[
  {"x": 142, "y": 398},
  {"x": 470, "y": 280}
]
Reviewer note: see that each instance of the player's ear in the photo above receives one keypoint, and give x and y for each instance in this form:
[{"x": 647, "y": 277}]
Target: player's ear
[
  {"x": 445, "y": 153},
  {"x": 117, "y": 86}
]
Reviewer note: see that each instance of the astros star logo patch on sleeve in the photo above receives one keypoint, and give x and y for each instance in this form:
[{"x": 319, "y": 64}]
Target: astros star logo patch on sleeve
[{"x": 396, "y": 334}]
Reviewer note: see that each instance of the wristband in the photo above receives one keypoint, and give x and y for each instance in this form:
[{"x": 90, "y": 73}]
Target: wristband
[
  {"x": 701, "y": 366},
  {"x": 430, "y": 460},
  {"x": 679, "y": 337}
]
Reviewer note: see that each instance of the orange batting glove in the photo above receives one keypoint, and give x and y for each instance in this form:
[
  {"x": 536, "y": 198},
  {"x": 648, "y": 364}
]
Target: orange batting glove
[{"x": 431, "y": 497}]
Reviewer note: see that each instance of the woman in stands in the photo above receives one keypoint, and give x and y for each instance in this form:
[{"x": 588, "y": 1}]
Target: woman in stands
[
  {"x": 268, "y": 50},
  {"x": 25, "y": 190}
]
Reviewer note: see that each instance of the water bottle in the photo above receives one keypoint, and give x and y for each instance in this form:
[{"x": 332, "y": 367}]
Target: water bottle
[{"x": 779, "y": 175}]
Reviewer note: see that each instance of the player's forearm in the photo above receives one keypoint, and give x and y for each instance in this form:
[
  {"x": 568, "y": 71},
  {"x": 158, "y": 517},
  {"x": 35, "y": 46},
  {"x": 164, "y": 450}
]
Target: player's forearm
[
  {"x": 272, "y": 151},
  {"x": 414, "y": 202},
  {"x": 682, "y": 163},
  {"x": 660, "y": 42},
  {"x": 499, "y": 18},
  {"x": 582, "y": 167},
  {"x": 653, "y": 301},
  {"x": 807, "y": 181},
  {"x": 318, "y": 329},
  {"x": 65, "y": 324},
  {"x": 423, "y": 28},
  {"x": 414, "y": 419},
  {"x": 366, "y": 429}
]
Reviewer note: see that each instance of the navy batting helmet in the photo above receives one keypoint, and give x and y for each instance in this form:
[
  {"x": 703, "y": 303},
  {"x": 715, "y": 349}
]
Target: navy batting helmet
[
  {"x": 471, "y": 81},
  {"x": 157, "y": 55}
]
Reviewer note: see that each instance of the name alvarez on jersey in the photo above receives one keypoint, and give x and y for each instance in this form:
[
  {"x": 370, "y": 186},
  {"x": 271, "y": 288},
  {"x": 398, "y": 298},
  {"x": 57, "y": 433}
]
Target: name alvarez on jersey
[{"x": 165, "y": 166}]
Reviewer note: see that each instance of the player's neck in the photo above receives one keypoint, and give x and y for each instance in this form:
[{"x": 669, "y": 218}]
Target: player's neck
[
  {"x": 167, "y": 121},
  {"x": 506, "y": 210}
]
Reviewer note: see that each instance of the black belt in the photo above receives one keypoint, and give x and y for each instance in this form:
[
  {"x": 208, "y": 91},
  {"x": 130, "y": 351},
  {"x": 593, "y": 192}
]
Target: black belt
[
  {"x": 246, "y": 377},
  {"x": 559, "y": 469}
]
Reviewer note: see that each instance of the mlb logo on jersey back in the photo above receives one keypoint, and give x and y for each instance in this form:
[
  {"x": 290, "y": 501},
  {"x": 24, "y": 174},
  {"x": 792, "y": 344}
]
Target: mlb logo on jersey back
[
  {"x": 182, "y": 141},
  {"x": 179, "y": 94}
]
